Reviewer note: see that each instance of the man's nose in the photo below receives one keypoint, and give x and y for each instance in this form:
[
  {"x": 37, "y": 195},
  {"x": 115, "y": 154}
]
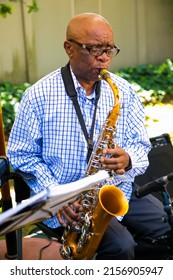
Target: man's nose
[{"x": 104, "y": 57}]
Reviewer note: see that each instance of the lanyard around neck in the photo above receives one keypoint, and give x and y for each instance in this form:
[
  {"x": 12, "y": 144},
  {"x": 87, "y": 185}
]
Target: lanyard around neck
[{"x": 70, "y": 89}]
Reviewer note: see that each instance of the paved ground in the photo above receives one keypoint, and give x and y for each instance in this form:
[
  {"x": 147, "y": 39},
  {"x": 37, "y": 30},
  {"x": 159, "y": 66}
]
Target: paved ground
[
  {"x": 160, "y": 120},
  {"x": 34, "y": 249}
]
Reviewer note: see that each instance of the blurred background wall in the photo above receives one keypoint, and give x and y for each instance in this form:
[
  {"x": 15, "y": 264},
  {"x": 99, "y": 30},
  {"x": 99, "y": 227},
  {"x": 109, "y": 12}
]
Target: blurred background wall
[{"x": 32, "y": 44}]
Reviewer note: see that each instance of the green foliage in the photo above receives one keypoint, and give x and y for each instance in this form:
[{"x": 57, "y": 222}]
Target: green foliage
[
  {"x": 33, "y": 8},
  {"x": 153, "y": 83},
  {"x": 6, "y": 9},
  {"x": 10, "y": 97}
]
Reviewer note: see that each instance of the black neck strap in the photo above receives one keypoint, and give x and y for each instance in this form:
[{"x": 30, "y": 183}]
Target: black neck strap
[{"x": 70, "y": 89}]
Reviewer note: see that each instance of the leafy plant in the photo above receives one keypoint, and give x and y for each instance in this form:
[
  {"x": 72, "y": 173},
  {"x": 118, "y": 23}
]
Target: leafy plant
[
  {"x": 153, "y": 83},
  {"x": 6, "y": 9},
  {"x": 10, "y": 98}
]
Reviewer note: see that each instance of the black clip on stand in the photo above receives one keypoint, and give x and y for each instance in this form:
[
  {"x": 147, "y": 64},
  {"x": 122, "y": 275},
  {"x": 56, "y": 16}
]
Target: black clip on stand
[{"x": 168, "y": 206}]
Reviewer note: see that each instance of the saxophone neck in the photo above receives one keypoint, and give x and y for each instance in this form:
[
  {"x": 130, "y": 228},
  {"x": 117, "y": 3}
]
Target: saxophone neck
[{"x": 105, "y": 75}]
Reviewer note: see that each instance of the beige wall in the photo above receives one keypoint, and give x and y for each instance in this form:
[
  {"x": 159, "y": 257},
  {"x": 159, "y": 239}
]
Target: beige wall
[
  {"x": 12, "y": 61},
  {"x": 32, "y": 44}
]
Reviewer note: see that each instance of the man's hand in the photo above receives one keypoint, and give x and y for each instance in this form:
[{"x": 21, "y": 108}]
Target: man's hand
[
  {"x": 70, "y": 214},
  {"x": 118, "y": 161}
]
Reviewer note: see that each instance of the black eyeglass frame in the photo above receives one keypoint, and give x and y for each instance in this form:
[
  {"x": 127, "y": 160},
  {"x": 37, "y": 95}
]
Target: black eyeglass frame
[{"x": 89, "y": 49}]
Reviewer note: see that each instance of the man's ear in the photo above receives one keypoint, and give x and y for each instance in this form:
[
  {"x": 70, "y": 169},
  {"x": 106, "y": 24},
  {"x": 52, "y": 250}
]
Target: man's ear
[{"x": 68, "y": 48}]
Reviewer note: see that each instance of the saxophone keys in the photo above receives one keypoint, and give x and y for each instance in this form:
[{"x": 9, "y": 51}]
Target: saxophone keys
[
  {"x": 86, "y": 203},
  {"x": 66, "y": 252},
  {"x": 76, "y": 227},
  {"x": 79, "y": 247},
  {"x": 112, "y": 145},
  {"x": 81, "y": 216}
]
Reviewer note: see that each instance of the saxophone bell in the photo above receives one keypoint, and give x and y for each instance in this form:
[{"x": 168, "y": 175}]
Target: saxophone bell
[{"x": 113, "y": 200}]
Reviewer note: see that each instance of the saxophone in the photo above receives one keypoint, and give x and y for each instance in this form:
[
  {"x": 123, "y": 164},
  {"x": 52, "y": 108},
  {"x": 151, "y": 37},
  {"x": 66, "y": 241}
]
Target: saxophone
[{"x": 100, "y": 204}]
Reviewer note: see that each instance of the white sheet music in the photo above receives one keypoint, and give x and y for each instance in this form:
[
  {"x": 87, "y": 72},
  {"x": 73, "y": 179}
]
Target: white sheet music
[{"x": 46, "y": 203}]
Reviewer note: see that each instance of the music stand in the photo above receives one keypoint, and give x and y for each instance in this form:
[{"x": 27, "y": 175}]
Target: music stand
[{"x": 6, "y": 203}]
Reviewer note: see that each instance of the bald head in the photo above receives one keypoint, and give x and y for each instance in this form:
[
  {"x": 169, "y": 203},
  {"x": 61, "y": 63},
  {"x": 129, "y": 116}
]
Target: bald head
[
  {"x": 85, "y": 33},
  {"x": 82, "y": 25}
]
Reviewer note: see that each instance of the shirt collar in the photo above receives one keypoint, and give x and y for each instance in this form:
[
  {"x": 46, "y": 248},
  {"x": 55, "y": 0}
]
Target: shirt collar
[{"x": 80, "y": 90}]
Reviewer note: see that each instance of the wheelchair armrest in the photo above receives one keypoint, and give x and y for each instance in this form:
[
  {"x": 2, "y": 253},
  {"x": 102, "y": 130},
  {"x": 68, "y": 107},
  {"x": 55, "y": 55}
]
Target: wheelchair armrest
[
  {"x": 4, "y": 170},
  {"x": 21, "y": 175},
  {"x": 22, "y": 190}
]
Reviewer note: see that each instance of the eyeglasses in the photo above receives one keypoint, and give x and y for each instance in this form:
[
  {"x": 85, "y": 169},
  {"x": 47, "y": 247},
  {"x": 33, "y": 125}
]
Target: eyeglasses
[{"x": 98, "y": 51}]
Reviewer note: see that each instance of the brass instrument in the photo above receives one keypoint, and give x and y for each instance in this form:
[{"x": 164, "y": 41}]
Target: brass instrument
[{"x": 101, "y": 204}]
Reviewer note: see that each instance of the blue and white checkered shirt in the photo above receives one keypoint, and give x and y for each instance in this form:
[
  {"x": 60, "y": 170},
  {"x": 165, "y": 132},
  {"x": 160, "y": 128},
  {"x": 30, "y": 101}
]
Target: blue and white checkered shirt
[{"x": 47, "y": 141}]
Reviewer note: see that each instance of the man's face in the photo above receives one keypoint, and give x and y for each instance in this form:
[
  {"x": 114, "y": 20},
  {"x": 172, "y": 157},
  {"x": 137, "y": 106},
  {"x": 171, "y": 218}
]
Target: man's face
[{"x": 85, "y": 65}]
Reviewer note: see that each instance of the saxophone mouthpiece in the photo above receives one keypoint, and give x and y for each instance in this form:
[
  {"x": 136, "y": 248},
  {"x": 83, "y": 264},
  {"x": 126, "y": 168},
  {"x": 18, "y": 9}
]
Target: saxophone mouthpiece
[{"x": 104, "y": 74}]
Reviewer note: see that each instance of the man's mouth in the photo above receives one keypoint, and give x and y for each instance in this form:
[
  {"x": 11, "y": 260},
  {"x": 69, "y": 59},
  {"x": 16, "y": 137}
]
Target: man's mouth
[{"x": 97, "y": 70}]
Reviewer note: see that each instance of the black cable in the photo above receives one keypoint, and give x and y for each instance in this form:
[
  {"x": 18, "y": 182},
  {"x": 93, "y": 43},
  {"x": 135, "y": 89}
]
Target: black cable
[{"x": 46, "y": 246}]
